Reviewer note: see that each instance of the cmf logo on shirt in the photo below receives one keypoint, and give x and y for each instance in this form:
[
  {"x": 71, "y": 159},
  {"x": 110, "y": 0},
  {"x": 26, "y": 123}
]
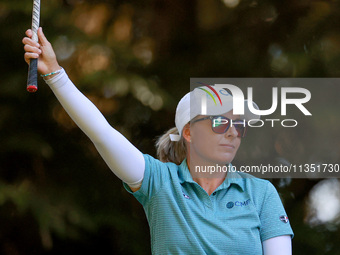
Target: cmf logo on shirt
[{"x": 238, "y": 203}]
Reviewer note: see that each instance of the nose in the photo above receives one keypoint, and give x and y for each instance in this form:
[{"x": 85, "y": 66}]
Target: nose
[{"x": 231, "y": 132}]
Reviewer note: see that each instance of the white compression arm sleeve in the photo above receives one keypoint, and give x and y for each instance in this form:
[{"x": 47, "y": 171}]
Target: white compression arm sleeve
[
  {"x": 124, "y": 159},
  {"x": 280, "y": 245}
]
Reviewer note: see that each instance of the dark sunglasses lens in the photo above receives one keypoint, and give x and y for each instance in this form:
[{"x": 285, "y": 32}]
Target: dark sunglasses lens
[
  {"x": 241, "y": 130},
  {"x": 220, "y": 125}
]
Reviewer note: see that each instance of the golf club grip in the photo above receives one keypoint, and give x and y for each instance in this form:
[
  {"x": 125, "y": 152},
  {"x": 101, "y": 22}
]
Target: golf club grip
[{"x": 32, "y": 80}]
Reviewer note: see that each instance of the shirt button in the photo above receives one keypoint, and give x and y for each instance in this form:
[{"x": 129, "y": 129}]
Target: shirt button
[{"x": 214, "y": 193}]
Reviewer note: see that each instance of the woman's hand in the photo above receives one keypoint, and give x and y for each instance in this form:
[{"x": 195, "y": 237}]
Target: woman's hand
[{"x": 47, "y": 61}]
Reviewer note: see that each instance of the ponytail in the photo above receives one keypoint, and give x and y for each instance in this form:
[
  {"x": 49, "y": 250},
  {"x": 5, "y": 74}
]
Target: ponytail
[{"x": 170, "y": 151}]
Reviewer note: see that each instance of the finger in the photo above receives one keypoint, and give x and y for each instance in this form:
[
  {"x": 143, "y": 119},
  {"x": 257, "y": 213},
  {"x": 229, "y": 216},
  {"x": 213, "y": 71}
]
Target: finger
[
  {"x": 29, "y": 48},
  {"x": 29, "y": 41},
  {"x": 29, "y": 55},
  {"x": 29, "y": 33},
  {"x": 42, "y": 38}
]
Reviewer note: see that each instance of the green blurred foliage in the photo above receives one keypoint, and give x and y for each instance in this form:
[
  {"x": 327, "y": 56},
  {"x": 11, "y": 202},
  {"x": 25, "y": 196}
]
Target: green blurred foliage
[{"x": 134, "y": 60}]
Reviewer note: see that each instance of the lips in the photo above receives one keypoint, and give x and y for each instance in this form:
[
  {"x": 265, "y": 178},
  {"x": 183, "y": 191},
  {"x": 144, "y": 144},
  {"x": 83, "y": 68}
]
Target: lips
[{"x": 228, "y": 146}]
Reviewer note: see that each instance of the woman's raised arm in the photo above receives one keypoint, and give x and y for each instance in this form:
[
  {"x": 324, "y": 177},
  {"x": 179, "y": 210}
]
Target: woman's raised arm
[{"x": 124, "y": 159}]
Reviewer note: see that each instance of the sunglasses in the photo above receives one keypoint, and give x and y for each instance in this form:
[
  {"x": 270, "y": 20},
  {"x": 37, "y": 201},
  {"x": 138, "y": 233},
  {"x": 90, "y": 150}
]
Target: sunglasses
[{"x": 221, "y": 124}]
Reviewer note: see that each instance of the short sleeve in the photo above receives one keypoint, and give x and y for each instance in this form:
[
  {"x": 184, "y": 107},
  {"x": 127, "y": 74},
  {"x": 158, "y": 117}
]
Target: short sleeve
[
  {"x": 156, "y": 175},
  {"x": 274, "y": 219}
]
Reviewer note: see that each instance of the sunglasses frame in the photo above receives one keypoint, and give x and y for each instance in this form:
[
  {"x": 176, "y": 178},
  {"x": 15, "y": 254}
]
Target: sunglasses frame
[{"x": 212, "y": 117}]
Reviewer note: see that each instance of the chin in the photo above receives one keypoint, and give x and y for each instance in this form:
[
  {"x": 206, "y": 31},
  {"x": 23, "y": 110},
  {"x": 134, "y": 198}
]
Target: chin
[{"x": 224, "y": 159}]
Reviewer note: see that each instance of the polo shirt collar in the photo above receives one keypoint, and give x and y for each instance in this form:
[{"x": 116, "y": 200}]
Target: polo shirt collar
[{"x": 232, "y": 177}]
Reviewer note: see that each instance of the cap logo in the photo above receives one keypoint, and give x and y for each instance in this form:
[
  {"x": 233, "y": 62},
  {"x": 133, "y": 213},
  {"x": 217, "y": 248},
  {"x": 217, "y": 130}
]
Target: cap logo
[{"x": 213, "y": 90}]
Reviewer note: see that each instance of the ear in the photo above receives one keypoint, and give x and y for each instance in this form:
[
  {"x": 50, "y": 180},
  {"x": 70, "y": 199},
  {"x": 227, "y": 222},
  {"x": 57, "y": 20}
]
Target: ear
[{"x": 186, "y": 133}]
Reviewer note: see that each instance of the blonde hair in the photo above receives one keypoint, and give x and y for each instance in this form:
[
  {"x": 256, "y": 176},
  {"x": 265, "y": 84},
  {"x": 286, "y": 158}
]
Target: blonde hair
[{"x": 170, "y": 151}]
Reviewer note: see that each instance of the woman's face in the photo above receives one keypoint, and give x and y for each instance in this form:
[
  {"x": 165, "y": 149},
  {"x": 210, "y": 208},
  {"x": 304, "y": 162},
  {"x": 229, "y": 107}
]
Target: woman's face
[{"x": 210, "y": 147}]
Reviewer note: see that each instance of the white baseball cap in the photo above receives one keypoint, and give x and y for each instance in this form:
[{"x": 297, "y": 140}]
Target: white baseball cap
[{"x": 207, "y": 100}]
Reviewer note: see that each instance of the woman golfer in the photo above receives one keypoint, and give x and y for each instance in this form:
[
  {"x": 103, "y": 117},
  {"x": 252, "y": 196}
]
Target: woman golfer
[{"x": 194, "y": 204}]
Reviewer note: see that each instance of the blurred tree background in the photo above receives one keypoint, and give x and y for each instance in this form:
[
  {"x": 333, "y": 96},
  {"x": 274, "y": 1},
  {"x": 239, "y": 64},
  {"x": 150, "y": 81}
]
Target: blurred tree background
[{"x": 134, "y": 60}]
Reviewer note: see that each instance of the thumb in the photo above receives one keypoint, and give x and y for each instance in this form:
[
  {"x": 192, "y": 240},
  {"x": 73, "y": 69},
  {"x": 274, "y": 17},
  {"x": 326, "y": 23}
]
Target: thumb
[{"x": 42, "y": 38}]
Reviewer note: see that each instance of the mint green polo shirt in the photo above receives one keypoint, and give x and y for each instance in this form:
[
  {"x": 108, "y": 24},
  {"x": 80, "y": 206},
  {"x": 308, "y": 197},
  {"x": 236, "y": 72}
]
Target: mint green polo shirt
[{"x": 241, "y": 213}]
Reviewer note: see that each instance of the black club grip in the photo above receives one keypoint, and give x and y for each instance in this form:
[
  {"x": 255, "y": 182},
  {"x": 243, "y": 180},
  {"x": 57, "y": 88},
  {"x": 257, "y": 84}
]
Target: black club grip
[{"x": 32, "y": 80}]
